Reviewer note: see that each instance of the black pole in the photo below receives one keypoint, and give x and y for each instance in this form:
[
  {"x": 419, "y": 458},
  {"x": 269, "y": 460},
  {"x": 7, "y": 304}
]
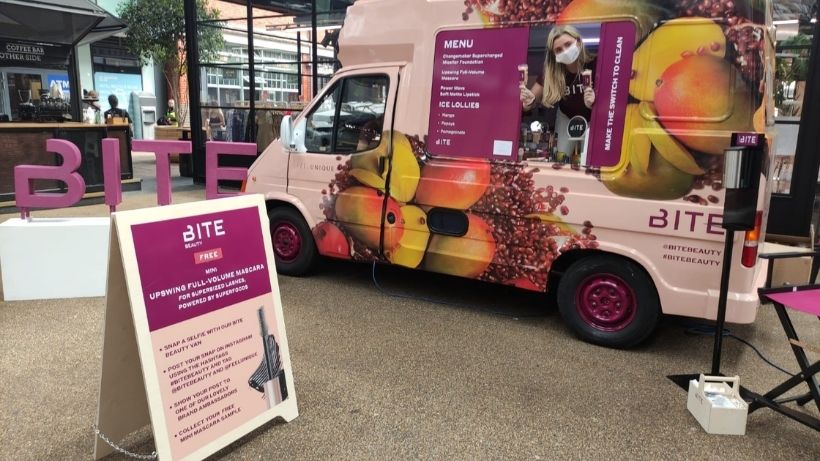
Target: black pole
[
  {"x": 74, "y": 86},
  {"x": 724, "y": 293},
  {"x": 194, "y": 103},
  {"x": 314, "y": 48},
  {"x": 299, "y": 64},
  {"x": 252, "y": 76}
]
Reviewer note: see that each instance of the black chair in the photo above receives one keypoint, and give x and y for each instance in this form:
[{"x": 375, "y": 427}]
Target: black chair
[{"x": 806, "y": 299}]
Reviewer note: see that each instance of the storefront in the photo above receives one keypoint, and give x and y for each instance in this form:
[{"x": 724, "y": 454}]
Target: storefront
[
  {"x": 40, "y": 98},
  {"x": 277, "y": 55}
]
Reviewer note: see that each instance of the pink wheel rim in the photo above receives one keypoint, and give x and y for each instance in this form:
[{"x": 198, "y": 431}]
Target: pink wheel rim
[
  {"x": 286, "y": 241},
  {"x": 606, "y": 302}
]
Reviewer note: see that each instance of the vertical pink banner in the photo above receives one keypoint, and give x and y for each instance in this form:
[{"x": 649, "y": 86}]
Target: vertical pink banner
[
  {"x": 213, "y": 173},
  {"x": 614, "y": 69},
  {"x": 24, "y": 176},
  {"x": 163, "y": 151}
]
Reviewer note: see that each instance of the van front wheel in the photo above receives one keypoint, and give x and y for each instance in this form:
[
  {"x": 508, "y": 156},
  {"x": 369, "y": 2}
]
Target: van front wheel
[
  {"x": 608, "y": 301},
  {"x": 293, "y": 246}
]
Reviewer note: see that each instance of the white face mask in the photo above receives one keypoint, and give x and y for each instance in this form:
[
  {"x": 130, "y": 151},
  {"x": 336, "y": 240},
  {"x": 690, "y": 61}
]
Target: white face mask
[{"x": 569, "y": 55}]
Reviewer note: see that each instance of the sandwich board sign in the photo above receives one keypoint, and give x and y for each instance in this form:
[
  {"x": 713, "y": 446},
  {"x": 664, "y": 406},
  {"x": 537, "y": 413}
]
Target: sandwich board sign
[{"x": 194, "y": 339}]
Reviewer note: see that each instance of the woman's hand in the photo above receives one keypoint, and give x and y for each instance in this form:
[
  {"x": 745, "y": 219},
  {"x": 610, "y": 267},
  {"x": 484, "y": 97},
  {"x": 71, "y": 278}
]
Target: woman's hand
[
  {"x": 527, "y": 97},
  {"x": 589, "y": 97}
]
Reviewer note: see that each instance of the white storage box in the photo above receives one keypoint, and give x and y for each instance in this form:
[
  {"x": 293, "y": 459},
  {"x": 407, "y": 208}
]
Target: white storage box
[{"x": 715, "y": 402}]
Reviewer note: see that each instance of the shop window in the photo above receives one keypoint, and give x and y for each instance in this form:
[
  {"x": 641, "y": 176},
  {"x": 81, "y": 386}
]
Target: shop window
[{"x": 350, "y": 116}]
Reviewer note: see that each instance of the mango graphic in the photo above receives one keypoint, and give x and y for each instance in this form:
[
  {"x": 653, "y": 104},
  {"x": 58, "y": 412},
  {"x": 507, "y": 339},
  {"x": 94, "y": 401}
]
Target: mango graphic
[
  {"x": 662, "y": 180},
  {"x": 330, "y": 241},
  {"x": 370, "y": 168},
  {"x": 667, "y": 146},
  {"x": 458, "y": 185},
  {"x": 413, "y": 243},
  {"x": 701, "y": 100},
  {"x": 669, "y": 43},
  {"x": 359, "y": 209},
  {"x": 466, "y": 256},
  {"x": 646, "y": 12},
  {"x": 638, "y": 145}
]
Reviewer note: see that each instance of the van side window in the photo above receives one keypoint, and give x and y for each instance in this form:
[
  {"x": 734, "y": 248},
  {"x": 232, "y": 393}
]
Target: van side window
[
  {"x": 350, "y": 117},
  {"x": 361, "y": 117},
  {"x": 319, "y": 126}
]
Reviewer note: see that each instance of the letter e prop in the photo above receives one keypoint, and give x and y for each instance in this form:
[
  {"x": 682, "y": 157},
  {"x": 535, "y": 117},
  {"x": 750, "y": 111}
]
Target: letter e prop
[
  {"x": 212, "y": 171},
  {"x": 163, "y": 151},
  {"x": 24, "y": 176},
  {"x": 112, "y": 170}
]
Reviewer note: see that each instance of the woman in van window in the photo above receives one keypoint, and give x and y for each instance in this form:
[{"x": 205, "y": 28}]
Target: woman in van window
[{"x": 561, "y": 82}]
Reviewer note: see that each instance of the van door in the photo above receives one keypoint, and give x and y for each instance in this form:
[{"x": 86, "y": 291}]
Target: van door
[{"x": 340, "y": 176}]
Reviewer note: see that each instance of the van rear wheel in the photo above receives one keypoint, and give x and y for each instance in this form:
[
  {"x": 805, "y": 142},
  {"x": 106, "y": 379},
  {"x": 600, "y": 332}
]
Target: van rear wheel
[
  {"x": 609, "y": 301},
  {"x": 293, "y": 247}
]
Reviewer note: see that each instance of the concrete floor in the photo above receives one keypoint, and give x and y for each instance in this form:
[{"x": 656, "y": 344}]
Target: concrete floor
[{"x": 497, "y": 376}]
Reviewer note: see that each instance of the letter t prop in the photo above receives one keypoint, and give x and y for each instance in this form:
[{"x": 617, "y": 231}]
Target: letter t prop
[{"x": 163, "y": 151}]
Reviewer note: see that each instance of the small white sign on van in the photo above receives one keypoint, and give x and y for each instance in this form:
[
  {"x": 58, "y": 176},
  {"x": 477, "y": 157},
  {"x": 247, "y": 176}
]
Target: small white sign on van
[{"x": 502, "y": 148}]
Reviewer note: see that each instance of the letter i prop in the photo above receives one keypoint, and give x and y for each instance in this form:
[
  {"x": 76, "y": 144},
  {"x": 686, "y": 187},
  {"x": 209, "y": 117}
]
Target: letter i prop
[
  {"x": 163, "y": 151},
  {"x": 24, "y": 176},
  {"x": 212, "y": 171},
  {"x": 112, "y": 170}
]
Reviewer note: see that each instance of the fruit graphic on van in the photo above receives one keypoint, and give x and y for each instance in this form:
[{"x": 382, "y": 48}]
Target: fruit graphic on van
[
  {"x": 414, "y": 239},
  {"x": 458, "y": 185},
  {"x": 330, "y": 241},
  {"x": 701, "y": 100},
  {"x": 662, "y": 181},
  {"x": 370, "y": 168},
  {"x": 359, "y": 210},
  {"x": 668, "y": 44},
  {"x": 647, "y": 13},
  {"x": 465, "y": 256}
]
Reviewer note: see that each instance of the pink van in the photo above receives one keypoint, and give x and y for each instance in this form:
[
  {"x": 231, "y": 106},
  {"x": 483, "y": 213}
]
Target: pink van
[{"x": 427, "y": 151}]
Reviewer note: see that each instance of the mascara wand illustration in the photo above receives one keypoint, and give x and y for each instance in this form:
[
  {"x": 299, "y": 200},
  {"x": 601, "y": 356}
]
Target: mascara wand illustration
[{"x": 268, "y": 377}]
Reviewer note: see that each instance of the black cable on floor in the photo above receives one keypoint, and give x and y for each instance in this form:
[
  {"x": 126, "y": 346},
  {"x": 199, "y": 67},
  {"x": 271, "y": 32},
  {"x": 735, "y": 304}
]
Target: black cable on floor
[
  {"x": 444, "y": 303},
  {"x": 709, "y": 330}
]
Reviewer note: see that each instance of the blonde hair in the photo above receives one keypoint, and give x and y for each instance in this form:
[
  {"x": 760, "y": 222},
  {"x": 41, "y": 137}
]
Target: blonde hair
[{"x": 555, "y": 84}]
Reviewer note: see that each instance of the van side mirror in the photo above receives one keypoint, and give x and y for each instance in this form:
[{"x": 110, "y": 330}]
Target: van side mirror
[{"x": 285, "y": 133}]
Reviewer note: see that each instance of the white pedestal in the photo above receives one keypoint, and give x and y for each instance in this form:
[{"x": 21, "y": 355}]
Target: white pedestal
[{"x": 48, "y": 258}]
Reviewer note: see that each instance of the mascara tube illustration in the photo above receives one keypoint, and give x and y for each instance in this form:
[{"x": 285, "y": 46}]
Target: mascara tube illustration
[{"x": 267, "y": 378}]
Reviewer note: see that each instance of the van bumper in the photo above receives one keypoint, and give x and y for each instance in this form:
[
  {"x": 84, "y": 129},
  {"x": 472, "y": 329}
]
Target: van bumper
[{"x": 740, "y": 307}]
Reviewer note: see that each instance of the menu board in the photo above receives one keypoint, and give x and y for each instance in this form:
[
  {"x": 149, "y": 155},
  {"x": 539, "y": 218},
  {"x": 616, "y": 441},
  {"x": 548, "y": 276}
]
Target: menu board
[{"x": 475, "y": 105}]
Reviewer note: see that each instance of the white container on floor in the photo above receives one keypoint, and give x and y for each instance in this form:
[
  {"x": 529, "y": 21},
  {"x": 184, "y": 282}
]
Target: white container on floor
[{"x": 716, "y": 403}]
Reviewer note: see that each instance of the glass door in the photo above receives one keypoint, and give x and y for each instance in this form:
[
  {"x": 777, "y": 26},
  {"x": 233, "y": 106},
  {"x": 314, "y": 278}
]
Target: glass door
[{"x": 797, "y": 115}]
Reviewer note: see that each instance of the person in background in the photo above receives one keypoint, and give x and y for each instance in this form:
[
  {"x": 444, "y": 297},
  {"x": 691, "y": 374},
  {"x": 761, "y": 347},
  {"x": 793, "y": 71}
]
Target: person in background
[
  {"x": 115, "y": 110},
  {"x": 91, "y": 114},
  {"x": 215, "y": 120},
  {"x": 171, "y": 112},
  {"x": 561, "y": 82}
]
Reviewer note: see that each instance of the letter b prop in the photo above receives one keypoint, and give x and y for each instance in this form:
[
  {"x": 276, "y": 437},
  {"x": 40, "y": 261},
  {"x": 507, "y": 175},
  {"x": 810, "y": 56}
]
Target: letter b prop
[{"x": 24, "y": 176}]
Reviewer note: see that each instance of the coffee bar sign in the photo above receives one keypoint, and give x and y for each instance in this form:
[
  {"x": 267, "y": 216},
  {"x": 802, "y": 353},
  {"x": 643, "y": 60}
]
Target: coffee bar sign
[{"x": 13, "y": 53}]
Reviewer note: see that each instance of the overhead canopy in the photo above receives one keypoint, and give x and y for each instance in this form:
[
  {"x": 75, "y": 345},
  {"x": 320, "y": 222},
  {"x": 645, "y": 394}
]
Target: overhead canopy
[
  {"x": 63, "y": 22},
  {"x": 110, "y": 25}
]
